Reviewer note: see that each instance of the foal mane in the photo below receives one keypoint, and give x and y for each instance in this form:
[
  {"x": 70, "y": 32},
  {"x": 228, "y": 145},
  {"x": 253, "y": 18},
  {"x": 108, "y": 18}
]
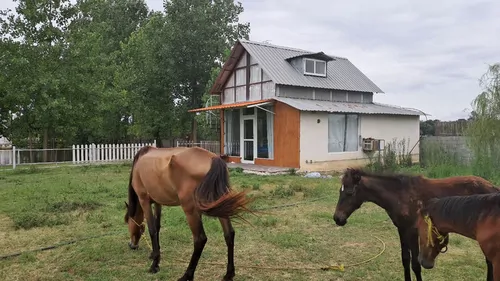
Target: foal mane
[
  {"x": 398, "y": 180},
  {"x": 464, "y": 210}
]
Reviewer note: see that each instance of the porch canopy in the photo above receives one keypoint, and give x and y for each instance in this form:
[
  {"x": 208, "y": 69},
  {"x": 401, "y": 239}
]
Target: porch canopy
[{"x": 234, "y": 105}]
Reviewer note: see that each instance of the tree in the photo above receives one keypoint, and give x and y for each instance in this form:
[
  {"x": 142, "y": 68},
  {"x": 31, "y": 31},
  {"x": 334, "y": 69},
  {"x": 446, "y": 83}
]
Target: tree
[
  {"x": 428, "y": 127},
  {"x": 199, "y": 33},
  {"x": 147, "y": 80},
  {"x": 484, "y": 129},
  {"x": 37, "y": 31},
  {"x": 472, "y": 116},
  {"x": 95, "y": 55}
]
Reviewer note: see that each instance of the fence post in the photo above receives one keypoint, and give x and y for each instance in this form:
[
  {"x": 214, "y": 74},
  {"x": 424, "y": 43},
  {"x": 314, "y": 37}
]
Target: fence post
[
  {"x": 154, "y": 143},
  {"x": 14, "y": 161}
]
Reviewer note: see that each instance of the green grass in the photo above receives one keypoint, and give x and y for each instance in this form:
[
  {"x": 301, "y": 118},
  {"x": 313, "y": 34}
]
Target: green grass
[{"x": 42, "y": 207}]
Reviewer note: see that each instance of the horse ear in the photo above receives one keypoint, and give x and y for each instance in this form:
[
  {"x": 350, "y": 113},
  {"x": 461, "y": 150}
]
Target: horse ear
[
  {"x": 126, "y": 205},
  {"x": 356, "y": 177}
]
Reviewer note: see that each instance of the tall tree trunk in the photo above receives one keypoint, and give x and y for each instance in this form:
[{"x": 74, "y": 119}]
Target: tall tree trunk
[
  {"x": 194, "y": 104},
  {"x": 157, "y": 137},
  {"x": 45, "y": 144},
  {"x": 194, "y": 130},
  {"x": 30, "y": 146}
]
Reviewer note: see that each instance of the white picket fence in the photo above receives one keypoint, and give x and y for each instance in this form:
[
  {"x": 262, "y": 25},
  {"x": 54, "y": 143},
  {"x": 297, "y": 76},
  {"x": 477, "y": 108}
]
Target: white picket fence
[{"x": 102, "y": 153}]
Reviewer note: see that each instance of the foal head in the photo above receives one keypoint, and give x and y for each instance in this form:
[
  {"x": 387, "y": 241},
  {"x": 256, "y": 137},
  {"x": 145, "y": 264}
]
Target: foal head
[
  {"x": 350, "y": 196},
  {"x": 135, "y": 227},
  {"x": 431, "y": 240}
]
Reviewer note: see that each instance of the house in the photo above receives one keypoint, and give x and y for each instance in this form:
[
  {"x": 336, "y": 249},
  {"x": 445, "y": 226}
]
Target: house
[
  {"x": 4, "y": 142},
  {"x": 293, "y": 108}
]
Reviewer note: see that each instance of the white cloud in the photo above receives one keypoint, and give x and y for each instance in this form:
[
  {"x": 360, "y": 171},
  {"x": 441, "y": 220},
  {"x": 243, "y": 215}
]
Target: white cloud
[{"x": 427, "y": 54}]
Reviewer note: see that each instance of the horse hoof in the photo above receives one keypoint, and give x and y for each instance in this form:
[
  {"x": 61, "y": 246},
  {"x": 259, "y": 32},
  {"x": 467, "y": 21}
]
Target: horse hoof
[
  {"x": 227, "y": 278},
  {"x": 154, "y": 269},
  {"x": 184, "y": 278},
  {"x": 133, "y": 247}
]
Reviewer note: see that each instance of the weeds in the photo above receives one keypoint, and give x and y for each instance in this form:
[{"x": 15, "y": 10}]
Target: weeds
[
  {"x": 282, "y": 191},
  {"x": 27, "y": 220},
  {"x": 68, "y": 206},
  {"x": 395, "y": 155}
]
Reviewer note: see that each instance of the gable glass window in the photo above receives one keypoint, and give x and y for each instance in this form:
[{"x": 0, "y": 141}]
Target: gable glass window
[
  {"x": 314, "y": 67},
  {"x": 343, "y": 132}
]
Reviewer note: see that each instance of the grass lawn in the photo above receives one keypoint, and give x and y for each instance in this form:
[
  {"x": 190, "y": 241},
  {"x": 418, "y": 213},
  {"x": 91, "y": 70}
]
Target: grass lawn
[{"x": 43, "y": 207}]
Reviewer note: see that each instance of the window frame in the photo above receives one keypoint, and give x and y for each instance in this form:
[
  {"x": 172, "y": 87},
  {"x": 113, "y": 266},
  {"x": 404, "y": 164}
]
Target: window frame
[
  {"x": 315, "y": 61},
  {"x": 358, "y": 132}
]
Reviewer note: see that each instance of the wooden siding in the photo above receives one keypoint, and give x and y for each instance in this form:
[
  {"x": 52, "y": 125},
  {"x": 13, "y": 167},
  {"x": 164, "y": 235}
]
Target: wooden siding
[
  {"x": 235, "y": 159},
  {"x": 286, "y": 138}
]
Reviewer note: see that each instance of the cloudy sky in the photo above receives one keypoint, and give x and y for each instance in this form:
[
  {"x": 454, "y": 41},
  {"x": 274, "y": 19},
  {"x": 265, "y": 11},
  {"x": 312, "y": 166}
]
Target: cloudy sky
[{"x": 424, "y": 54}]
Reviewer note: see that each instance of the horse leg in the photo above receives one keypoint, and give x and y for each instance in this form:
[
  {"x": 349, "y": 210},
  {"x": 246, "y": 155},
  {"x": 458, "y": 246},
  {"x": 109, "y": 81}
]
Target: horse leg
[
  {"x": 495, "y": 265},
  {"x": 405, "y": 253},
  {"x": 229, "y": 237},
  {"x": 414, "y": 248},
  {"x": 489, "y": 270},
  {"x": 155, "y": 254},
  {"x": 199, "y": 239},
  {"x": 157, "y": 226}
]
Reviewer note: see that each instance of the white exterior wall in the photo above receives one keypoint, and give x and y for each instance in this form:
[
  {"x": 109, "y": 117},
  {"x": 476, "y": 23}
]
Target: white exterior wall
[{"x": 314, "y": 138}]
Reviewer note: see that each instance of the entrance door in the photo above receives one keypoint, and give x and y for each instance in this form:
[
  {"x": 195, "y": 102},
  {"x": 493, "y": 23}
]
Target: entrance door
[{"x": 248, "y": 135}]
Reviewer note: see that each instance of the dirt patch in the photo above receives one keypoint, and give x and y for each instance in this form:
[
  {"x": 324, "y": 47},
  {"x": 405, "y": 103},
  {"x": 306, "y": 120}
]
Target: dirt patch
[{"x": 6, "y": 224}]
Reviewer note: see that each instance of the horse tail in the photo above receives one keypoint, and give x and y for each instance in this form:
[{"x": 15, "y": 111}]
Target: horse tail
[
  {"x": 133, "y": 199},
  {"x": 214, "y": 196}
]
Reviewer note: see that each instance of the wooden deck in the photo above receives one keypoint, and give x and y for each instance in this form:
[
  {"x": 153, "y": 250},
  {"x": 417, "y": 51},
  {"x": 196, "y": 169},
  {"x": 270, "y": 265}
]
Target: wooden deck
[{"x": 259, "y": 169}]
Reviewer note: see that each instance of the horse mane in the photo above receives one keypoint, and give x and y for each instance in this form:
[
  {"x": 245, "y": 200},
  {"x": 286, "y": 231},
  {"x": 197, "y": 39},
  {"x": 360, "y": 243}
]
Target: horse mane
[
  {"x": 399, "y": 179},
  {"x": 464, "y": 210}
]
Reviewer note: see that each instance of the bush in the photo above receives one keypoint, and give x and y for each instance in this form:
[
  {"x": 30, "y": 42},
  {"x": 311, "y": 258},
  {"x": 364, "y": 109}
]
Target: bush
[{"x": 395, "y": 155}]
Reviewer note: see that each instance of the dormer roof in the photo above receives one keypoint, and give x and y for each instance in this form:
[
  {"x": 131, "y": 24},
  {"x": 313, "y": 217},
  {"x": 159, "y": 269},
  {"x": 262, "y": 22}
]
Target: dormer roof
[{"x": 276, "y": 61}]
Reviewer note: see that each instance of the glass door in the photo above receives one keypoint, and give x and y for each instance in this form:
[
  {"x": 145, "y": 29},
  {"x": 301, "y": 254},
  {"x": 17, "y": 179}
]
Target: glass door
[{"x": 248, "y": 136}]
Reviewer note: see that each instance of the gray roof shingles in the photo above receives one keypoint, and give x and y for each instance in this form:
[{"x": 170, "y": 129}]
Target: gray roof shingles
[
  {"x": 341, "y": 73},
  {"x": 347, "y": 107}
]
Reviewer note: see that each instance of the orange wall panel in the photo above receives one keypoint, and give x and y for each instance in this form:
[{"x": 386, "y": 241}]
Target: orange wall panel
[{"x": 286, "y": 136}]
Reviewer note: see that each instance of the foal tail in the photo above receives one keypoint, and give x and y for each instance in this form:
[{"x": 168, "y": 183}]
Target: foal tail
[
  {"x": 133, "y": 199},
  {"x": 214, "y": 196}
]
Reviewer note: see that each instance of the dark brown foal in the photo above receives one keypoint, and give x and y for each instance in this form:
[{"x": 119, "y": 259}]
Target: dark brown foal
[{"x": 397, "y": 195}]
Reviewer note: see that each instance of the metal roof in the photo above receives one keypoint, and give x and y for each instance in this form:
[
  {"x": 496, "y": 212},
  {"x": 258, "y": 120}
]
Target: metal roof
[
  {"x": 347, "y": 107},
  {"x": 341, "y": 73}
]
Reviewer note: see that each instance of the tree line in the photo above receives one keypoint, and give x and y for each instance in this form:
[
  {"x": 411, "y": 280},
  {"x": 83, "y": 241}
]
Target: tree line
[{"x": 109, "y": 71}]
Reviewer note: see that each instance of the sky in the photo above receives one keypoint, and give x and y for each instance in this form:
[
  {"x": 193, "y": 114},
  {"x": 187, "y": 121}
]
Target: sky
[{"x": 427, "y": 55}]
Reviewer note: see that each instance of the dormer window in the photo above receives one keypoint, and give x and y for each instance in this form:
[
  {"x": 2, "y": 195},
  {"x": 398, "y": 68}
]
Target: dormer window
[{"x": 314, "y": 67}]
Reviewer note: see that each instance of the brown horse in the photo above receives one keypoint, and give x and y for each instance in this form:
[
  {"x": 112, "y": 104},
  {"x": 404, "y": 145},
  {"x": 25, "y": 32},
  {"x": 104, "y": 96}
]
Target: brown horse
[
  {"x": 398, "y": 195},
  {"x": 193, "y": 178},
  {"x": 474, "y": 216}
]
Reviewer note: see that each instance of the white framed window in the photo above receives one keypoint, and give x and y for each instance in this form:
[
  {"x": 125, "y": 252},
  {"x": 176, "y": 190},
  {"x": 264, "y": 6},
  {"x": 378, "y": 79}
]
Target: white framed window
[
  {"x": 315, "y": 67},
  {"x": 343, "y": 132}
]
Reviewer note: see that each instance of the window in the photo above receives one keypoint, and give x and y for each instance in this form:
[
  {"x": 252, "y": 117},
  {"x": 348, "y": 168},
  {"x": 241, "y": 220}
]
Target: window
[
  {"x": 265, "y": 136},
  {"x": 232, "y": 132},
  {"x": 315, "y": 67},
  {"x": 343, "y": 132}
]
